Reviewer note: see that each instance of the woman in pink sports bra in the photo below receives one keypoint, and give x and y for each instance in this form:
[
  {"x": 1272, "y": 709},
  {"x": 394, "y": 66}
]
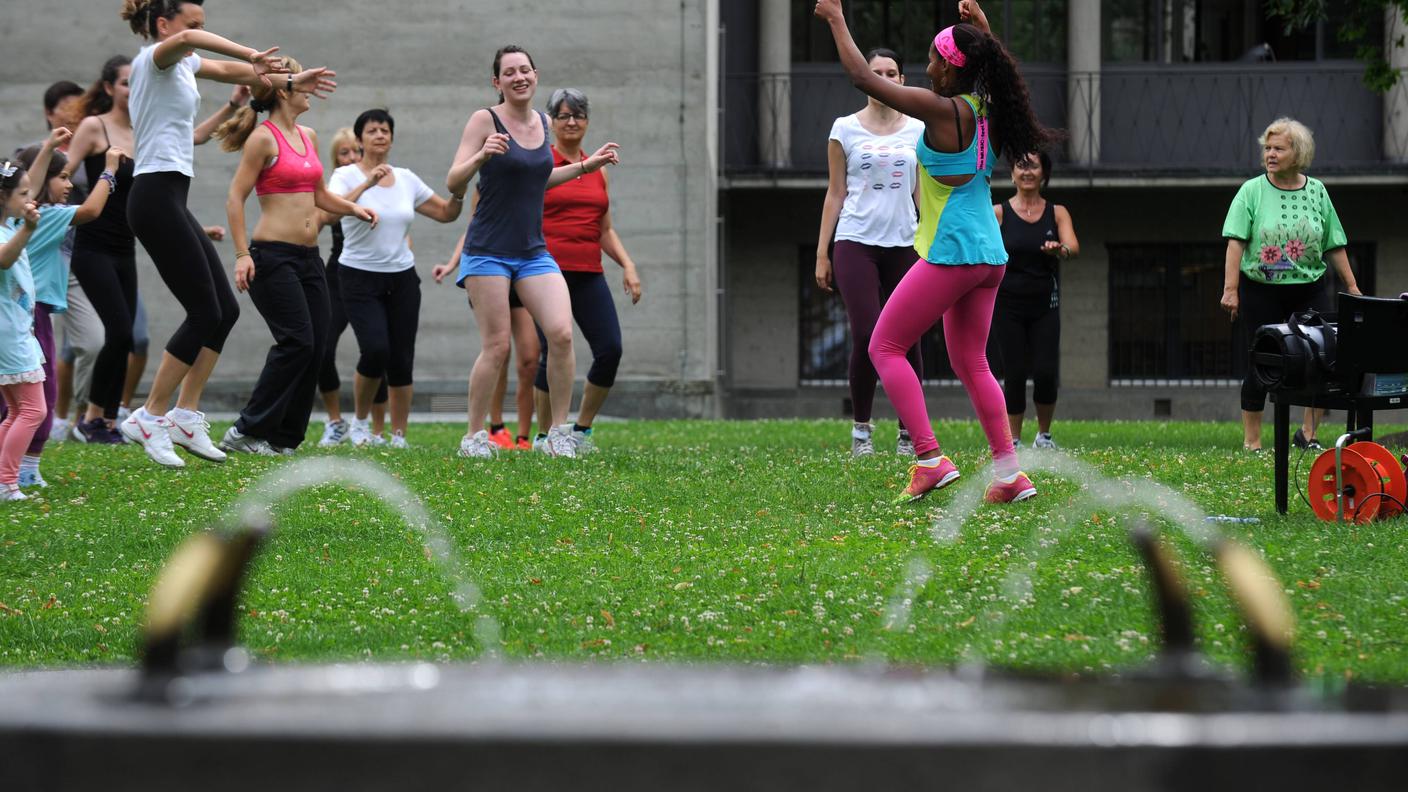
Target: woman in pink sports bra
[{"x": 281, "y": 268}]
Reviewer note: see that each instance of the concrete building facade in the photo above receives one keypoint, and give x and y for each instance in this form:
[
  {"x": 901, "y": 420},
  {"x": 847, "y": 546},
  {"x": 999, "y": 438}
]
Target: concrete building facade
[
  {"x": 646, "y": 66},
  {"x": 1161, "y": 103},
  {"x": 721, "y": 109}
]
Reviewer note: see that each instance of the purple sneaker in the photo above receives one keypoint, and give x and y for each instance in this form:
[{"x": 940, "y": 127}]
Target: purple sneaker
[{"x": 98, "y": 432}]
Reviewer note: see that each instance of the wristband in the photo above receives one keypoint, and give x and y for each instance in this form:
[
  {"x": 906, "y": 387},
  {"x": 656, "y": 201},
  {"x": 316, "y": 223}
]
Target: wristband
[
  {"x": 584, "y": 167},
  {"x": 239, "y": 254},
  {"x": 457, "y": 198},
  {"x": 108, "y": 177}
]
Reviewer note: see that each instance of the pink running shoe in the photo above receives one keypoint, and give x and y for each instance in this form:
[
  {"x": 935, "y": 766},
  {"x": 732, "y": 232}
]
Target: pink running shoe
[
  {"x": 924, "y": 480},
  {"x": 1018, "y": 490}
]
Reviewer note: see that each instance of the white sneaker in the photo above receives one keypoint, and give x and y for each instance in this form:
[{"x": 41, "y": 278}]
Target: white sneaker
[
  {"x": 190, "y": 431},
  {"x": 1043, "y": 440},
  {"x": 236, "y": 441},
  {"x": 904, "y": 444},
  {"x": 122, "y": 412},
  {"x": 540, "y": 444},
  {"x": 60, "y": 430},
  {"x": 151, "y": 432},
  {"x": 32, "y": 478},
  {"x": 378, "y": 440},
  {"x": 861, "y": 443},
  {"x": 357, "y": 433},
  {"x": 398, "y": 441},
  {"x": 10, "y": 492},
  {"x": 584, "y": 442},
  {"x": 334, "y": 433},
  {"x": 477, "y": 446},
  {"x": 561, "y": 443}
]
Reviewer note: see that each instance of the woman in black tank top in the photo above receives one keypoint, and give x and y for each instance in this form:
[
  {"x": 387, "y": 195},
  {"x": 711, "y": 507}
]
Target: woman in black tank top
[{"x": 1026, "y": 320}]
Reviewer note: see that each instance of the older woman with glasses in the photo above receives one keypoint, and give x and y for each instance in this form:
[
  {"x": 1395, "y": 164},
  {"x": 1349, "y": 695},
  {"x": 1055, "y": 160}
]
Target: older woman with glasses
[{"x": 577, "y": 227}]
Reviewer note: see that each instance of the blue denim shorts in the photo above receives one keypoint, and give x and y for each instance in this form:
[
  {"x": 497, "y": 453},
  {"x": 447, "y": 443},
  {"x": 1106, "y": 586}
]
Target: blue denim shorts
[{"x": 511, "y": 268}]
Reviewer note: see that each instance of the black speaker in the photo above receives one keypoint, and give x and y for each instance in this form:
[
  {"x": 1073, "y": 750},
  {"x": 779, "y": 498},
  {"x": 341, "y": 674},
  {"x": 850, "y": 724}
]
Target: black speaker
[{"x": 1296, "y": 356}]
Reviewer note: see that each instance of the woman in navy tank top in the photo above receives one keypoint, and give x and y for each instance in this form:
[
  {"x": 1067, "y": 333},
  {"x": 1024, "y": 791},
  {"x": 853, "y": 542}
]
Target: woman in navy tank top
[{"x": 507, "y": 147}]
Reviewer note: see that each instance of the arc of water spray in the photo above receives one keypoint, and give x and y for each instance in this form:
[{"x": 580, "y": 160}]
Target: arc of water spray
[
  {"x": 1270, "y": 621},
  {"x": 255, "y": 509}
]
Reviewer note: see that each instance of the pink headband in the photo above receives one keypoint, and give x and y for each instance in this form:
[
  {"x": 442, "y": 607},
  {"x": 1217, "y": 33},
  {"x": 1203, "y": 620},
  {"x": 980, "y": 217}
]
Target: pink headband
[{"x": 948, "y": 49}]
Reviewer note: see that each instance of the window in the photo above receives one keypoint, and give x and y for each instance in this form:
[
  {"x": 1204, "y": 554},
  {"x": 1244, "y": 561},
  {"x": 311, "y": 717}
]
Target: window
[
  {"x": 1034, "y": 30},
  {"x": 824, "y": 351},
  {"x": 1166, "y": 324},
  {"x": 1186, "y": 31}
]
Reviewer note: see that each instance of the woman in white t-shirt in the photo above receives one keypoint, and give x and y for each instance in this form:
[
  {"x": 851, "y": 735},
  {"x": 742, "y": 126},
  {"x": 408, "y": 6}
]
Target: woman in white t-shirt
[
  {"x": 163, "y": 100},
  {"x": 380, "y": 288},
  {"x": 870, "y": 214}
]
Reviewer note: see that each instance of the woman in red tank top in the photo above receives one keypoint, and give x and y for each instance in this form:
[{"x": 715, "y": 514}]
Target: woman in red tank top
[
  {"x": 577, "y": 228},
  {"x": 281, "y": 268}
]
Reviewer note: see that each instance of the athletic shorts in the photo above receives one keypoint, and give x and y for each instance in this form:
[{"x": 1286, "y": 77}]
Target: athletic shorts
[{"x": 511, "y": 268}]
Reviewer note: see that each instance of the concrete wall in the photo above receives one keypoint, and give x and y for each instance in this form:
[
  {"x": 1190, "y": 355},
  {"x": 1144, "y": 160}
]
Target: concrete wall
[
  {"x": 764, "y": 228},
  {"x": 642, "y": 62}
]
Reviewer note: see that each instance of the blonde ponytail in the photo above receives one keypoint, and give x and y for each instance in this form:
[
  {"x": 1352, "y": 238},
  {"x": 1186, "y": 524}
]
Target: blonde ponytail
[{"x": 234, "y": 132}]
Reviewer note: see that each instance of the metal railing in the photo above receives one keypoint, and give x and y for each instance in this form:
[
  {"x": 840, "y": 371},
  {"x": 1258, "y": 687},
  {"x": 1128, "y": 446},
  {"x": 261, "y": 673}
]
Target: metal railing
[{"x": 1178, "y": 120}]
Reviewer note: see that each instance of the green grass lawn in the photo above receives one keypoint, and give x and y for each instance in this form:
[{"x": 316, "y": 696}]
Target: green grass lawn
[{"x": 753, "y": 542}]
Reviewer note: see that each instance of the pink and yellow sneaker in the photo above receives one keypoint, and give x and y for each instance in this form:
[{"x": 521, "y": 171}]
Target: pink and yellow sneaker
[
  {"x": 924, "y": 480},
  {"x": 1018, "y": 490}
]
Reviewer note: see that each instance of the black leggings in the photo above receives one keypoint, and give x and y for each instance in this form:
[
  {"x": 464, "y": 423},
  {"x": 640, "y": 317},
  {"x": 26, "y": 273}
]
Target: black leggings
[
  {"x": 291, "y": 293},
  {"x": 1028, "y": 331},
  {"x": 110, "y": 281},
  {"x": 328, "y": 381},
  {"x": 384, "y": 311},
  {"x": 1263, "y": 304},
  {"x": 595, "y": 313},
  {"x": 186, "y": 261},
  {"x": 865, "y": 276}
]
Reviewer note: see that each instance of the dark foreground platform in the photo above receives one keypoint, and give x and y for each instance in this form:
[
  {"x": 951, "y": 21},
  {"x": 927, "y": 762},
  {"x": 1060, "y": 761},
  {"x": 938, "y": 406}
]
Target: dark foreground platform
[{"x": 541, "y": 727}]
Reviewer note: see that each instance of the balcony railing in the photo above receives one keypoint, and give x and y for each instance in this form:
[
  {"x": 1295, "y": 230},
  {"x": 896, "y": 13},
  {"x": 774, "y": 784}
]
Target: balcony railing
[{"x": 1184, "y": 120}]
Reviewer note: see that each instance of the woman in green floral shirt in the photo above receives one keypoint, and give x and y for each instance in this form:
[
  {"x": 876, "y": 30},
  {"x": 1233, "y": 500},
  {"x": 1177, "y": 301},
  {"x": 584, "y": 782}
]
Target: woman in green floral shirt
[{"x": 1281, "y": 230}]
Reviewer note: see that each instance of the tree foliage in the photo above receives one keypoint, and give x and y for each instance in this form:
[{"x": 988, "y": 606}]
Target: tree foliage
[{"x": 1379, "y": 74}]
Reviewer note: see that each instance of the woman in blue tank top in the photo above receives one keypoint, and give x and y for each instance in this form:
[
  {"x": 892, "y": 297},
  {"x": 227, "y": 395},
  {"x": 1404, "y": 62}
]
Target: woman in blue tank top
[
  {"x": 978, "y": 107},
  {"x": 507, "y": 147}
]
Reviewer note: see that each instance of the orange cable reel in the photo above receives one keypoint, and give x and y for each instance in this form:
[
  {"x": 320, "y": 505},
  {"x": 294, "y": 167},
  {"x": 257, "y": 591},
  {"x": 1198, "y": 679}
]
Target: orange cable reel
[
  {"x": 1395, "y": 483},
  {"x": 1359, "y": 477}
]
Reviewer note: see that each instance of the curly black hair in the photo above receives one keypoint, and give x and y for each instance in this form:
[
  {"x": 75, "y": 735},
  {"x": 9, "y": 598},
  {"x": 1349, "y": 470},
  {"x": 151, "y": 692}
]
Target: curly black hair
[{"x": 991, "y": 74}]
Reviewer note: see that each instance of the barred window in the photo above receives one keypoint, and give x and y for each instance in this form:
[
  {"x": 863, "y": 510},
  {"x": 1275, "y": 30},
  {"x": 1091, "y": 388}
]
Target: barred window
[
  {"x": 824, "y": 335},
  {"x": 1166, "y": 322}
]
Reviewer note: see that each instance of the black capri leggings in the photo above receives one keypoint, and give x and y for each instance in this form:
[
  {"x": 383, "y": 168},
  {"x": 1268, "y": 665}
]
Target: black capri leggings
[
  {"x": 1028, "y": 331},
  {"x": 186, "y": 261},
  {"x": 595, "y": 313},
  {"x": 384, "y": 311},
  {"x": 1263, "y": 304},
  {"x": 110, "y": 281},
  {"x": 328, "y": 381}
]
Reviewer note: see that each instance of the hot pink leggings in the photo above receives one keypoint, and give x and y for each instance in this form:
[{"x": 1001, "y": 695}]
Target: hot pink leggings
[
  {"x": 26, "y": 411},
  {"x": 963, "y": 296}
]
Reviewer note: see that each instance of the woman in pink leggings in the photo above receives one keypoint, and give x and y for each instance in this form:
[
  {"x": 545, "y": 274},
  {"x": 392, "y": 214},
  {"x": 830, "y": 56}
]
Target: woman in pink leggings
[{"x": 978, "y": 107}]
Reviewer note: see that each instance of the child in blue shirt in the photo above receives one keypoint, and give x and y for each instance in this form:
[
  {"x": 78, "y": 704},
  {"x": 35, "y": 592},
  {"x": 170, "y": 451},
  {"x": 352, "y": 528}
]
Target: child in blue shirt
[
  {"x": 48, "y": 170},
  {"x": 21, "y": 372}
]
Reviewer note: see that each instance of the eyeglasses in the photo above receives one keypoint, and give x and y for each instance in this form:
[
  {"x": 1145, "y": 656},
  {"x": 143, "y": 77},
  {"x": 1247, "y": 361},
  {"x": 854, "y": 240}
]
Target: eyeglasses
[{"x": 564, "y": 117}]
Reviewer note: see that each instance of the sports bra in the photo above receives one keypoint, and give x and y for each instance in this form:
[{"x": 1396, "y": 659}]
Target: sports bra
[
  {"x": 290, "y": 172},
  {"x": 976, "y": 158}
]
